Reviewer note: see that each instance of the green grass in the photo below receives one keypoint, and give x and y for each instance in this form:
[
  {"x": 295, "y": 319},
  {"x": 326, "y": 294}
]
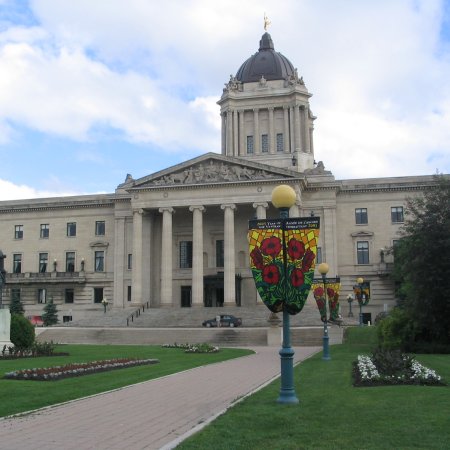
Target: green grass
[
  {"x": 19, "y": 396},
  {"x": 334, "y": 415}
]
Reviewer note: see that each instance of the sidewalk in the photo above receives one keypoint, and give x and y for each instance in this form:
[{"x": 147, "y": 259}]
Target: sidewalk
[{"x": 151, "y": 415}]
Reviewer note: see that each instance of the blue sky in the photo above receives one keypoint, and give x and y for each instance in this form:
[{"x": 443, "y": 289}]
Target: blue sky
[{"x": 91, "y": 91}]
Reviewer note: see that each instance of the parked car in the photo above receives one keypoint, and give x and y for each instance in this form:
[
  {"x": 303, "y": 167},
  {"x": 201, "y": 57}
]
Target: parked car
[
  {"x": 225, "y": 321},
  {"x": 36, "y": 321}
]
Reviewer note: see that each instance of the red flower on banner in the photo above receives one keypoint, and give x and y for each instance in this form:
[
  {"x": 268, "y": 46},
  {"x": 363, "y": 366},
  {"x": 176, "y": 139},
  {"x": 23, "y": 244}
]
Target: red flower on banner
[
  {"x": 330, "y": 293},
  {"x": 271, "y": 274},
  {"x": 271, "y": 246},
  {"x": 320, "y": 303},
  {"x": 296, "y": 249},
  {"x": 318, "y": 292},
  {"x": 308, "y": 260},
  {"x": 297, "y": 278},
  {"x": 257, "y": 258}
]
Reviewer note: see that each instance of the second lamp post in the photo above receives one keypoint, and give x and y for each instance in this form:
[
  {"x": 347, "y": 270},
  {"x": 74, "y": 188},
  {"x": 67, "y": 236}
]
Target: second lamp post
[{"x": 323, "y": 270}]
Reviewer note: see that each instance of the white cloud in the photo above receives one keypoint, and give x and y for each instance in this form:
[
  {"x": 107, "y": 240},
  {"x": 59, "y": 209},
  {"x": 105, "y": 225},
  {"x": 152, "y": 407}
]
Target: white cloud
[{"x": 9, "y": 190}]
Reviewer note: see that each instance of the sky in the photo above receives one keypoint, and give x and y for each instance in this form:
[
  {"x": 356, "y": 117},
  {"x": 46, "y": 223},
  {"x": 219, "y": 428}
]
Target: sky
[{"x": 93, "y": 90}]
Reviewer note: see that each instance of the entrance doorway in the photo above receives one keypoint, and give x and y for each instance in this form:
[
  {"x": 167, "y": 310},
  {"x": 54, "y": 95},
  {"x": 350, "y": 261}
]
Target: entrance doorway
[
  {"x": 214, "y": 291},
  {"x": 186, "y": 296}
]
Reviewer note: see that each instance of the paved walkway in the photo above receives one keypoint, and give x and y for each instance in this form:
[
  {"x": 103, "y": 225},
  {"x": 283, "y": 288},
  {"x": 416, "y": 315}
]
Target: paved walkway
[{"x": 151, "y": 415}]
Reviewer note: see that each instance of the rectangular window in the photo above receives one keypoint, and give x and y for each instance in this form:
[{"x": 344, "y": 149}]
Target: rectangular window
[
  {"x": 17, "y": 263},
  {"x": 129, "y": 293},
  {"x": 42, "y": 295},
  {"x": 69, "y": 295},
  {"x": 18, "y": 232},
  {"x": 319, "y": 256},
  {"x": 264, "y": 143},
  {"x": 219, "y": 253},
  {"x": 100, "y": 228},
  {"x": 185, "y": 254},
  {"x": 397, "y": 214},
  {"x": 130, "y": 261},
  {"x": 15, "y": 294},
  {"x": 70, "y": 261},
  {"x": 72, "y": 229},
  {"x": 45, "y": 231},
  {"x": 280, "y": 142},
  {"x": 362, "y": 252},
  {"x": 361, "y": 216},
  {"x": 98, "y": 295},
  {"x": 99, "y": 261},
  {"x": 249, "y": 145},
  {"x": 43, "y": 261}
]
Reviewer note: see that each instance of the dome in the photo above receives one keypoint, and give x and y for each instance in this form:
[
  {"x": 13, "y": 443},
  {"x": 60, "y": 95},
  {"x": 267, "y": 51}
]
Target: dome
[{"x": 266, "y": 62}]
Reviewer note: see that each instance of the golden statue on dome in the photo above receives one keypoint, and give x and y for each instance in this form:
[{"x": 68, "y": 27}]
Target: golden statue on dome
[{"x": 267, "y": 22}]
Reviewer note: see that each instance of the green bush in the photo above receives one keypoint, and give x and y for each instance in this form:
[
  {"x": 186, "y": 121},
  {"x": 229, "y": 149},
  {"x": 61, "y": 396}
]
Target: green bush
[
  {"x": 22, "y": 332},
  {"x": 397, "y": 331}
]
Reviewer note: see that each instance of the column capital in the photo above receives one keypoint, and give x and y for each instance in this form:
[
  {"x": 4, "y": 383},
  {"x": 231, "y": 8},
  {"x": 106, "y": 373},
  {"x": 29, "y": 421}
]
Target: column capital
[
  {"x": 139, "y": 211},
  {"x": 166, "y": 209},
  {"x": 263, "y": 204},
  {"x": 231, "y": 206},
  {"x": 271, "y": 108},
  {"x": 255, "y": 110},
  {"x": 201, "y": 208}
]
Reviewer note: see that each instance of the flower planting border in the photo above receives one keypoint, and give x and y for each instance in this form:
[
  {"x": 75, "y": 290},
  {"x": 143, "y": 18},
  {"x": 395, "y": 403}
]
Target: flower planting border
[{"x": 76, "y": 370}]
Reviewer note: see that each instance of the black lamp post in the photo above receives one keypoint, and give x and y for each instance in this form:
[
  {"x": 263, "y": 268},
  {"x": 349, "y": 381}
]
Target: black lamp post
[
  {"x": 350, "y": 301},
  {"x": 2, "y": 276},
  {"x": 323, "y": 270},
  {"x": 105, "y": 304},
  {"x": 283, "y": 197},
  {"x": 360, "y": 282}
]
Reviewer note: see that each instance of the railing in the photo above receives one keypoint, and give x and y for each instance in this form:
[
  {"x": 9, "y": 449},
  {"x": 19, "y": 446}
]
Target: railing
[{"x": 137, "y": 312}]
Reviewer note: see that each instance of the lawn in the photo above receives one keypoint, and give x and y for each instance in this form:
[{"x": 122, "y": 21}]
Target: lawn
[
  {"x": 19, "y": 396},
  {"x": 332, "y": 414}
]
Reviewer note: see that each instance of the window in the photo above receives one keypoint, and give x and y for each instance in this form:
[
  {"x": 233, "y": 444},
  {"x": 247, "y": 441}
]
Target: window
[
  {"x": 45, "y": 231},
  {"x": 130, "y": 261},
  {"x": 397, "y": 214},
  {"x": 100, "y": 228},
  {"x": 249, "y": 145},
  {"x": 70, "y": 261},
  {"x": 71, "y": 229},
  {"x": 280, "y": 142},
  {"x": 18, "y": 232},
  {"x": 129, "y": 293},
  {"x": 42, "y": 295},
  {"x": 361, "y": 216},
  {"x": 15, "y": 294},
  {"x": 99, "y": 261},
  {"x": 319, "y": 255},
  {"x": 69, "y": 295},
  {"x": 17, "y": 263},
  {"x": 43, "y": 261},
  {"x": 219, "y": 253},
  {"x": 264, "y": 143},
  {"x": 185, "y": 254},
  {"x": 362, "y": 251},
  {"x": 98, "y": 295}
]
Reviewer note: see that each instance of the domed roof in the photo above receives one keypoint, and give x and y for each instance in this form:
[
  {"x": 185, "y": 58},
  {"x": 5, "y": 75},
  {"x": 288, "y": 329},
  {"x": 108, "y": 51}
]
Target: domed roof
[{"x": 266, "y": 62}]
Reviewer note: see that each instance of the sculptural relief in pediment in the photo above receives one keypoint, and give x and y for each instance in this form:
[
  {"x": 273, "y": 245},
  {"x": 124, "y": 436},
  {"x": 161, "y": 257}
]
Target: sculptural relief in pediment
[{"x": 213, "y": 172}]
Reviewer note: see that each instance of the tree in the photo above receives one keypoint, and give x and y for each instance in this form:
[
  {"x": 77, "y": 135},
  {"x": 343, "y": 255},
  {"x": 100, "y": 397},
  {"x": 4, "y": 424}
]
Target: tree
[
  {"x": 16, "y": 307},
  {"x": 50, "y": 316},
  {"x": 22, "y": 332},
  {"x": 422, "y": 263}
]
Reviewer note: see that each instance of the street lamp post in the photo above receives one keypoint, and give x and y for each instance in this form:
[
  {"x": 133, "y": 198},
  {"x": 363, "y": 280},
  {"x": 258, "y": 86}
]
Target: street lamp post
[
  {"x": 323, "y": 270},
  {"x": 350, "y": 301},
  {"x": 105, "y": 304},
  {"x": 360, "y": 282},
  {"x": 283, "y": 197}
]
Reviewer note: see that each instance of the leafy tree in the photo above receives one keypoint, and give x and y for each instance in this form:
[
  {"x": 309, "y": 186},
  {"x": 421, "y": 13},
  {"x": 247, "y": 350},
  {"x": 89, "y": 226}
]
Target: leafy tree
[
  {"x": 22, "y": 332},
  {"x": 422, "y": 263},
  {"x": 16, "y": 307},
  {"x": 50, "y": 316}
]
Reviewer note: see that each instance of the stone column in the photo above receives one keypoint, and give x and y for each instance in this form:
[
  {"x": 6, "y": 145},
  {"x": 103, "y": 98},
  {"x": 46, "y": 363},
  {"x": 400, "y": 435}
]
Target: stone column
[
  {"x": 119, "y": 262},
  {"x": 137, "y": 275},
  {"x": 229, "y": 258},
  {"x": 286, "y": 138},
  {"x": 292, "y": 125},
  {"x": 272, "y": 141},
  {"x": 224, "y": 133},
  {"x": 256, "y": 137},
  {"x": 197, "y": 255},
  {"x": 297, "y": 133},
  {"x": 166, "y": 257},
  {"x": 242, "y": 143},
  {"x": 261, "y": 208},
  {"x": 307, "y": 130},
  {"x": 230, "y": 132},
  {"x": 235, "y": 134}
]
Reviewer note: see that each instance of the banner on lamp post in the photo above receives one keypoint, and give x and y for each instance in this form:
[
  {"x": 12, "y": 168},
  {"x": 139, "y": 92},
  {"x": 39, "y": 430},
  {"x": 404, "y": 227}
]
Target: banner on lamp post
[
  {"x": 282, "y": 260},
  {"x": 333, "y": 289}
]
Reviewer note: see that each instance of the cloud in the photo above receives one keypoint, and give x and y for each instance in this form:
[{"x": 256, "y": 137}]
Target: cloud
[{"x": 9, "y": 190}]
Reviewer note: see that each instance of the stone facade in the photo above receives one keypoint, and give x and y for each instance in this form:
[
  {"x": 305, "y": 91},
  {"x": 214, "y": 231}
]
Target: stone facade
[{"x": 177, "y": 238}]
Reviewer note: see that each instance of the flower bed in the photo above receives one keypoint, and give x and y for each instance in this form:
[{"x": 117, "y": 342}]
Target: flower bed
[
  {"x": 194, "y": 348},
  {"x": 76, "y": 369},
  {"x": 367, "y": 373}
]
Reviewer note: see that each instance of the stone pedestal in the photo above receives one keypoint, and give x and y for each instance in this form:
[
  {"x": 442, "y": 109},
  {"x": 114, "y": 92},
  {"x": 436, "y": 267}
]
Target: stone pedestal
[{"x": 5, "y": 328}]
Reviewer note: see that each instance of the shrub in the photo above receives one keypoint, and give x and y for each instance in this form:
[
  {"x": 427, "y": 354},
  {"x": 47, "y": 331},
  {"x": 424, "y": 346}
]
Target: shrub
[
  {"x": 22, "y": 332},
  {"x": 397, "y": 330}
]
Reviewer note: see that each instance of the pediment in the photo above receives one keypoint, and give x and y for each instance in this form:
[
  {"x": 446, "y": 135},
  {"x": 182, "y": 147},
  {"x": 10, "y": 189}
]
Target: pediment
[{"x": 210, "y": 168}]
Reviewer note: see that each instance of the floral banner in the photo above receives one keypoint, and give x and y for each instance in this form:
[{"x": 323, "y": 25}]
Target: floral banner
[
  {"x": 282, "y": 259},
  {"x": 333, "y": 289},
  {"x": 363, "y": 299}
]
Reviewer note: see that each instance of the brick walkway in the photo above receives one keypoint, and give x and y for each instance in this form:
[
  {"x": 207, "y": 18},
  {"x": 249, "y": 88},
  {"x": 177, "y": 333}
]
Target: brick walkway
[{"x": 151, "y": 415}]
